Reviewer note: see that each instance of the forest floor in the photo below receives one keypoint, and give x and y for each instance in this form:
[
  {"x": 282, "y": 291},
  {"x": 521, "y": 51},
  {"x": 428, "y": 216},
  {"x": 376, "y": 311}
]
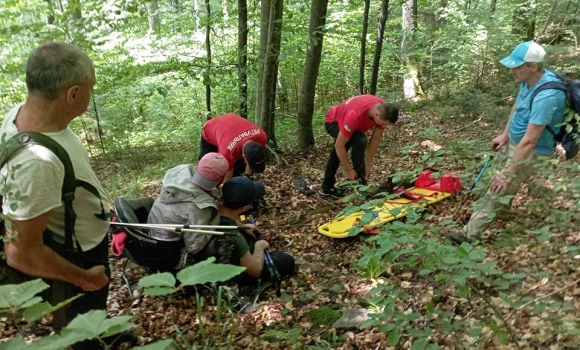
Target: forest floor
[{"x": 328, "y": 276}]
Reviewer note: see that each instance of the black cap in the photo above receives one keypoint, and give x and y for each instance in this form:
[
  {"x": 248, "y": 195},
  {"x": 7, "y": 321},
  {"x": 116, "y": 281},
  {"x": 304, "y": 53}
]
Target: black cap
[
  {"x": 240, "y": 191},
  {"x": 255, "y": 156}
]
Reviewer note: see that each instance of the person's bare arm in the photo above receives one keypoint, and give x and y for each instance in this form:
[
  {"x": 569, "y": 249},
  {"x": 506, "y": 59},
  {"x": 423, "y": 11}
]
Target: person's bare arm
[
  {"x": 372, "y": 147},
  {"x": 498, "y": 142},
  {"x": 340, "y": 147},
  {"x": 522, "y": 152},
  {"x": 526, "y": 146},
  {"x": 27, "y": 253},
  {"x": 254, "y": 263},
  {"x": 228, "y": 176}
]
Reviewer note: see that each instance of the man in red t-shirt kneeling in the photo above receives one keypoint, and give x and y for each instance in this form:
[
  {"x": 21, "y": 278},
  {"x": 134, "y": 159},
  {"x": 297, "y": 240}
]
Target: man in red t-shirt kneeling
[
  {"x": 347, "y": 123},
  {"x": 239, "y": 140}
]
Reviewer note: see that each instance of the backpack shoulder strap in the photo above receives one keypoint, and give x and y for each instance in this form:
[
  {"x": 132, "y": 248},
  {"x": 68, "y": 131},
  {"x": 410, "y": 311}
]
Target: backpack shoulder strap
[
  {"x": 69, "y": 183},
  {"x": 557, "y": 85}
]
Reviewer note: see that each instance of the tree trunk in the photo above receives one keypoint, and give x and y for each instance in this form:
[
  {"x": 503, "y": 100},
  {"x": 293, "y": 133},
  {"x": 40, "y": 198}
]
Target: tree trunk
[
  {"x": 549, "y": 17},
  {"x": 266, "y": 120},
  {"x": 153, "y": 16},
  {"x": 243, "y": 57},
  {"x": 269, "y": 121},
  {"x": 310, "y": 75},
  {"x": 411, "y": 78},
  {"x": 264, "y": 35},
  {"x": 76, "y": 9},
  {"x": 207, "y": 77},
  {"x": 225, "y": 11},
  {"x": 492, "y": 7},
  {"x": 524, "y": 23},
  {"x": 379, "y": 46},
  {"x": 50, "y": 18},
  {"x": 363, "y": 47}
]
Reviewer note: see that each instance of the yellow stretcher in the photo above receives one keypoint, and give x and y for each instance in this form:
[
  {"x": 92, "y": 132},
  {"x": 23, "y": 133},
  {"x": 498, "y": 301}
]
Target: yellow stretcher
[{"x": 389, "y": 210}]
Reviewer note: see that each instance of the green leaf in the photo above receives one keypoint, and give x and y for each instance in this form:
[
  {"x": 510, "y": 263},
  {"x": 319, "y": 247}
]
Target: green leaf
[
  {"x": 423, "y": 333},
  {"x": 13, "y": 206},
  {"x": 36, "y": 311},
  {"x": 17, "y": 343},
  {"x": 16, "y": 295},
  {"x": 208, "y": 272},
  {"x": 476, "y": 255},
  {"x": 393, "y": 338},
  {"x": 160, "y": 345},
  {"x": 513, "y": 276},
  {"x": 89, "y": 322},
  {"x": 419, "y": 344},
  {"x": 164, "y": 279},
  {"x": 159, "y": 291},
  {"x": 539, "y": 308},
  {"x": 61, "y": 341},
  {"x": 120, "y": 324},
  {"x": 31, "y": 302},
  {"x": 502, "y": 336}
]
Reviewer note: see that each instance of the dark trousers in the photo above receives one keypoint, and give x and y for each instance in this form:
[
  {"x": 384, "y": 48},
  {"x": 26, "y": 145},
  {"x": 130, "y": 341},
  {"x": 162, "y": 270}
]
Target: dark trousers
[
  {"x": 205, "y": 147},
  {"x": 60, "y": 291},
  {"x": 358, "y": 143},
  {"x": 224, "y": 249}
]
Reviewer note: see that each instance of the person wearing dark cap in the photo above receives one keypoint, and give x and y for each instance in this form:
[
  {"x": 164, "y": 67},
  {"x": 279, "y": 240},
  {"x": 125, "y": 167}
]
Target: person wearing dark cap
[
  {"x": 239, "y": 140},
  {"x": 189, "y": 196},
  {"x": 238, "y": 194}
]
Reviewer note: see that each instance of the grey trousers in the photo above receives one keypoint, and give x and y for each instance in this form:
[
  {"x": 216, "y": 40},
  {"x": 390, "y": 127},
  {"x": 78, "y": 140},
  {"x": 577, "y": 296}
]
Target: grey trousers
[{"x": 482, "y": 218}]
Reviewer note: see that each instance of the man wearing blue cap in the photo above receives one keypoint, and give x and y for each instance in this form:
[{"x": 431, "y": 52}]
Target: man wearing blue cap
[{"x": 525, "y": 135}]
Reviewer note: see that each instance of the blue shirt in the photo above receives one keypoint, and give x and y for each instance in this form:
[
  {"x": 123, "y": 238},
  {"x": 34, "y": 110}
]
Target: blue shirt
[{"x": 547, "y": 109}]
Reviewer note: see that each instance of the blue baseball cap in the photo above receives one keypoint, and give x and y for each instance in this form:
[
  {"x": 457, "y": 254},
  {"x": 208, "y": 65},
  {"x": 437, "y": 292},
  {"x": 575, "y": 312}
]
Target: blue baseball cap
[{"x": 528, "y": 51}]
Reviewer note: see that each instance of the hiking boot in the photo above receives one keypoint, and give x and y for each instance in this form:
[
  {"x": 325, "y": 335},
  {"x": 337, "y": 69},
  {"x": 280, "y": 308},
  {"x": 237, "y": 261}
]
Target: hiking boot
[
  {"x": 457, "y": 238},
  {"x": 333, "y": 192}
]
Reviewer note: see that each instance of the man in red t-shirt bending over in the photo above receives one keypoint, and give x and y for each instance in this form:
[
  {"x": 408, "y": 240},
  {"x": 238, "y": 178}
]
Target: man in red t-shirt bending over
[
  {"x": 347, "y": 123},
  {"x": 239, "y": 140}
]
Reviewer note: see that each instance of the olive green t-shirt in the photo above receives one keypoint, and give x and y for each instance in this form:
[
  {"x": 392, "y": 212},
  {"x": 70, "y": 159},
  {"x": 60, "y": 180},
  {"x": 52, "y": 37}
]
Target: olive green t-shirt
[{"x": 240, "y": 240}]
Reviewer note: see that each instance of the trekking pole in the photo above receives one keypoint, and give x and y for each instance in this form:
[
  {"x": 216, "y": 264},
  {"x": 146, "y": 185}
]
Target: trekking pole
[
  {"x": 179, "y": 229},
  {"x": 485, "y": 166},
  {"x": 274, "y": 273},
  {"x": 187, "y": 226}
]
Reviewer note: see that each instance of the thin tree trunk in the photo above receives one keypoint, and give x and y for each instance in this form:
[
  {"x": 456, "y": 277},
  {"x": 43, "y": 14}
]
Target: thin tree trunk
[
  {"x": 243, "y": 57},
  {"x": 492, "y": 7},
  {"x": 50, "y": 18},
  {"x": 225, "y": 11},
  {"x": 379, "y": 46},
  {"x": 153, "y": 16},
  {"x": 264, "y": 21},
  {"x": 524, "y": 23},
  {"x": 207, "y": 77},
  {"x": 269, "y": 123},
  {"x": 76, "y": 9},
  {"x": 310, "y": 75},
  {"x": 363, "y": 46},
  {"x": 269, "y": 81},
  {"x": 549, "y": 17},
  {"x": 411, "y": 79}
]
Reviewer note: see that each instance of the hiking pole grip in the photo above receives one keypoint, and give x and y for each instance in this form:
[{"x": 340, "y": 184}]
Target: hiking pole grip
[{"x": 274, "y": 273}]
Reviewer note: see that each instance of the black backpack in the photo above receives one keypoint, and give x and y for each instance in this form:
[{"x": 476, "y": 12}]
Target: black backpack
[
  {"x": 69, "y": 185},
  {"x": 568, "y": 136}
]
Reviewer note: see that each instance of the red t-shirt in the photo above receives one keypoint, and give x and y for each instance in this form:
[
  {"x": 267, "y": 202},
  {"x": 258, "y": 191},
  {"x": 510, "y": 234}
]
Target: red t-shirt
[
  {"x": 229, "y": 132},
  {"x": 353, "y": 114}
]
